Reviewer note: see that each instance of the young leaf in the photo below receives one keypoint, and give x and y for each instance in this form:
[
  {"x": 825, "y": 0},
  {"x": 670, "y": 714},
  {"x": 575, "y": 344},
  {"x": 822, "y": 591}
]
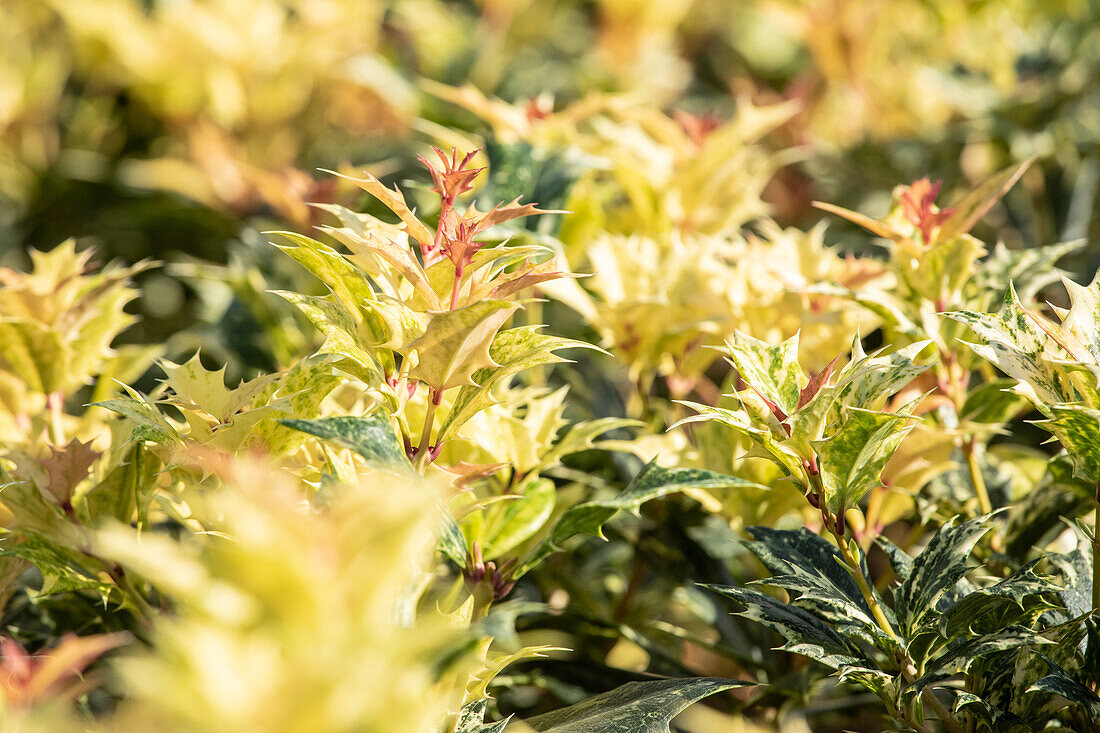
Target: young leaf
[
  {"x": 772, "y": 371},
  {"x": 513, "y": 350},
  {"x": 395, "y": 202},
  {"x": 636, "y": 707},
  {"x": 329, "y": 266},
  {"x": 340, "y": 333},
  {"x": 852, "y": 459},
  {"x": 456, "y": 343}
]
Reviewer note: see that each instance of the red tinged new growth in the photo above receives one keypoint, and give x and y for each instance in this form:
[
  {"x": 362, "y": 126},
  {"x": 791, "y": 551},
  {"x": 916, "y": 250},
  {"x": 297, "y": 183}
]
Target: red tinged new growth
[
  {"x": 454, "y": 234},
  {"x": 814, "y": 386},
  {"x": 499, "y": 579},
  {"x": 27, "y": 679},
  {"x": 918, "y": 205},
  {"x": 697, "y": 127},
  {"x": 455, "y": 178}
]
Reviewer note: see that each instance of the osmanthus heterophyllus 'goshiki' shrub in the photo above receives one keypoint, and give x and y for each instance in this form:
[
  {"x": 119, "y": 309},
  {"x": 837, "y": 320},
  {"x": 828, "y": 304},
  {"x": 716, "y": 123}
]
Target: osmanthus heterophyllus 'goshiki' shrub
[
  {"x": 1001, "y": 652},
  {"x": 437, "y": 482}
]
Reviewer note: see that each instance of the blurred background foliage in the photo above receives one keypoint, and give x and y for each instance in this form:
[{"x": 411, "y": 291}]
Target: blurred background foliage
[
  {"x": 177, "y": 129},
  {"x": 687, "y": 137}
]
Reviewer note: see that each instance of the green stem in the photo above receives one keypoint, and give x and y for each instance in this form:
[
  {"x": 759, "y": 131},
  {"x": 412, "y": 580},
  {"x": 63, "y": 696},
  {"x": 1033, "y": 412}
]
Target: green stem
[
  {"x": 122, "y": 582},
  {"x": 946, "y": 716},
  {"x": 424, "y": 449},
  {"x": 856, "y": 571},
  {"x": 976, "y": 477},
  {"x": 1096, "y": 554}
]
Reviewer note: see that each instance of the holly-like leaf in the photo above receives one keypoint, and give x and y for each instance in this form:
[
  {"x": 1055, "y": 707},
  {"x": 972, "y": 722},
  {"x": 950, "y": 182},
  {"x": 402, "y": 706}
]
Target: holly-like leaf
[
  {"x": 513, "y": 350},
  {"x": 371, "y": 250},
  {"x": 149, "y": 424},
  {"x": 35, "y": 352},
  {"x": 455, "y": 344},
  {"x": 807, "y": 564},
  {"x": 341, "y": 336},
  {"x": 62, "y": 569},
  {"x": 936, "y": 571},
  {"x": 298, "y": 393},
  {"x": 1014, "y": 344},
  {"x": 343, "y": 279},
  {"x": 962, "y": 653},
  {"x": 651, "y": 483},
  {"x": 636, "y": 707},
  {"x": 851, "y": 460},
  {"x": 1015, "y": 600},
  {"x": 196, "y": 387},
  {"x": 1027, "y": 270},
  {"x": 582, "y": 436},
  {"x": 471, "y": 719},
  {"x": 1077, "y": 428},
  {"x": 371, "y": 437},
  {"x": 395, "y": 202},
  {"x": 1060, "y": 682},
  {"x": 805, "y": 632},
  {"x": 874, "y": 378},
  {"x": 66, "y": 468},
  {"x": 739, "y": 420},
  {"x": 772, "y": 371},
  {"x": 390, "y": 323}
]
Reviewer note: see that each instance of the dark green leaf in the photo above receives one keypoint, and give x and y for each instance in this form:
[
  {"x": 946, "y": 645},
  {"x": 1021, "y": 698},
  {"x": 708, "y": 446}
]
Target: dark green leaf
[
  {"x": 1060, "y": 682},
  {"x": 651, "y": 483},
  {"x": 1012, "y": 601},
  {"x": 935, "y": 571},
  {"x": 805, "y": 632},
  {"x": 636, "y": 707},
  {"x": 371, "y": 437},
  {"x": 808, "y": 565}
]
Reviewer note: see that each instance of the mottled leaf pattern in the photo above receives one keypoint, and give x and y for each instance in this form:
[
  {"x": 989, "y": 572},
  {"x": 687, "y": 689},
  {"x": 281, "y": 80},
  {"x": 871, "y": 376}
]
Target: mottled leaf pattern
[
  {"x": 805, "y": 633},
  {"x": 935, "y": 571},
  {"x": 852, "y": 459},
  {"x": 371, "y": 437},
  {"x": 636, "y": 707},
  {"x": 1062, "y": 683}
]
